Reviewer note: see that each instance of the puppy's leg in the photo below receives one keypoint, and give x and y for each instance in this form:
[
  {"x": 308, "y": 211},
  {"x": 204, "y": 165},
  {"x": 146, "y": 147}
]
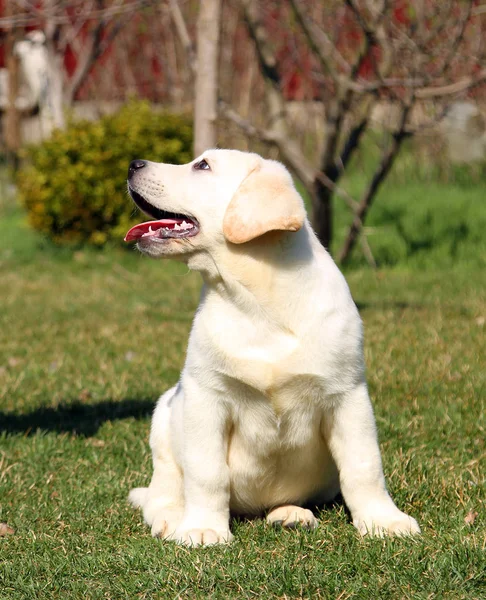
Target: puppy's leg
[
  {"x": 349, "y": 428},
  {"x": 292, "y": 516},
  {"x": 163, "y": 501},
  {"x": 206, "y": 473}
]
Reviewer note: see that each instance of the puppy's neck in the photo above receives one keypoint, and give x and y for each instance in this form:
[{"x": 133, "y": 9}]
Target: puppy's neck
[{"x": 262, "y": 273}]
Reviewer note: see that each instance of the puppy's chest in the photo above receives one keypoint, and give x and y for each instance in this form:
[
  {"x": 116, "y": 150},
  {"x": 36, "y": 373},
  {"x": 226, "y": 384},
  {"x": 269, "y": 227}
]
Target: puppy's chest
[
  {"x": 253, "y": 353},
  {"x": 263, "y": 432}
]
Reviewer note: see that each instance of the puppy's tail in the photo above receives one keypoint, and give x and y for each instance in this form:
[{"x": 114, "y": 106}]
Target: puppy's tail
[{"x": 137, "y": 497}]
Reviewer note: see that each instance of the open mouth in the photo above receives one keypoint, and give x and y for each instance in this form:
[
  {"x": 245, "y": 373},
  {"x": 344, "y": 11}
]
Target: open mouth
[{"x": 167, "y": 224}]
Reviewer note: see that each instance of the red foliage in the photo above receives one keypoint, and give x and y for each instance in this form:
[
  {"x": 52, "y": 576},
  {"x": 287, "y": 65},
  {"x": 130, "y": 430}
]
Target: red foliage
[
  {"x": 300, "y": 73},
  {"x": 402, "y": 11}
]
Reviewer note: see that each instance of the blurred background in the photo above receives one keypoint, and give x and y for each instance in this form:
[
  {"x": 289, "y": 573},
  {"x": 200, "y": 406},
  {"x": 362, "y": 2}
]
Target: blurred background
[{"x": 351, "y": 94}]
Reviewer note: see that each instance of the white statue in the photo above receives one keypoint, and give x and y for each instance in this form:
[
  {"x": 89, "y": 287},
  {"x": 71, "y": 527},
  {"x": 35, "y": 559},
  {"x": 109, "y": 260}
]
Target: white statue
[{"x": 36, "y": 86}]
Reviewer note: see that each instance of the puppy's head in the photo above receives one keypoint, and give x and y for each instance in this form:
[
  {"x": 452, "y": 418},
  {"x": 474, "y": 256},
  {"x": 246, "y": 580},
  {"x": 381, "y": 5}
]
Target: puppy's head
[{"x": 224, "y": 196}]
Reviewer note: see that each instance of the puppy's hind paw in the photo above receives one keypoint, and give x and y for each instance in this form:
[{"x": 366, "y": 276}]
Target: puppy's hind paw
[
  {"x": 138, "y": 496},
  {"x": 291, "y": 517}
]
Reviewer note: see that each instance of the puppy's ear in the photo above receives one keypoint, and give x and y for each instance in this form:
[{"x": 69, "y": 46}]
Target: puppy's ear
[{"x": 265, "y": 201}]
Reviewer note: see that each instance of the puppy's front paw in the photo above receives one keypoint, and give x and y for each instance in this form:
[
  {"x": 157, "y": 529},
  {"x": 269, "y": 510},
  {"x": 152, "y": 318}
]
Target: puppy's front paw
[
  {"x": 165, "y": 523},
  {"x": 292, "y": 516},
  {"x": 159, "y": 513},
  {"x": 202, "y": 537},
  {"x": 388, "y": 523}
]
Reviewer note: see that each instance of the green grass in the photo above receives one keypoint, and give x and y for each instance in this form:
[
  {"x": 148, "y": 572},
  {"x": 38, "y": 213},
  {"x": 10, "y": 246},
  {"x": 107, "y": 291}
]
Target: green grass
[
  {"x": 88, "y": 340},
  {"x": 428, "y": 213},
  {"x": 421, "y": 225}
]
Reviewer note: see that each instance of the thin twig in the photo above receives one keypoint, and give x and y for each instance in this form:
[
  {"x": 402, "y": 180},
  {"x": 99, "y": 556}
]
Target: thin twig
[
  {"x": 418, "y": 85},
  {"x": 365, "y": 246},
  {"x": 183, "y": 34},
  {"x": 87, "y": 15},
  {"x": 330, "y": 184},
  {"x": 320, "y": 43},
  {"x": 287, "y": 148},
  {"x": 381, "y": 172}
]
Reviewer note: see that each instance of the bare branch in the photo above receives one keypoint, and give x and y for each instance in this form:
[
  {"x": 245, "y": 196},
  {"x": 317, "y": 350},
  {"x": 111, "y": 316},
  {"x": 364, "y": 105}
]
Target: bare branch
[
  {"x": 353, "y": 141},
  {"x": 320, "y": 43},
  {"x": 443, "y": 10},
  {"x": 381, "y": 172},
  {"x": 419, "y": 84},
  {"x": 87, "y": 59},
  {"x": 70, "y": 36},
  {"x": 87, "y": 14},
  {"x": 479, "y": 10},
  {"x": 450, "y": 89},
  {"x": 340, "y": 106},
  {"x": 183, "y": 34},
  {"x": 456, "y": 41},
  {"x": 266, "y": 57},
  {"x": 268, "y": 67},
  {"x": 368, "y": 254},
  {"x": 290, "y": 152},
  {"x": 331, "y": 185}
]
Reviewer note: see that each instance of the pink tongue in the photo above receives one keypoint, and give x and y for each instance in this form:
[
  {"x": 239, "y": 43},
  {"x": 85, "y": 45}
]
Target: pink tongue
[{"x": 137, "y": 231}]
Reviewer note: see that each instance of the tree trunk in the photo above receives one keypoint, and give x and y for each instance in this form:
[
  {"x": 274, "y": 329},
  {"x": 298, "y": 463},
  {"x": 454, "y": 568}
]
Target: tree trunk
[
  {"x": 52, "y": 111},
  {"x": 322, "y": 213},
  {"x": 332, "y": 167},
  {"x": 206, "y": 91}
]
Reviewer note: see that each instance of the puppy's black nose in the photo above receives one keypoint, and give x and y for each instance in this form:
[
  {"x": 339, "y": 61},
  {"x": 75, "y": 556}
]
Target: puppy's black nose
[{"x": 135, "y": 165}]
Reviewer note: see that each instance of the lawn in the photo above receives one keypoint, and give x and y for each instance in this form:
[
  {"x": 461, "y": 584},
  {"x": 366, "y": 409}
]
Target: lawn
[{"x": 88, "y": 340}]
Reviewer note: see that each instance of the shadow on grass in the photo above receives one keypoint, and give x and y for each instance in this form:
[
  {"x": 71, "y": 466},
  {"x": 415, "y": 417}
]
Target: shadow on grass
[
  {"x": 75, "y": 418},
  {"x": 388, "y": 304},
  {"x": 319, "y": 510}
]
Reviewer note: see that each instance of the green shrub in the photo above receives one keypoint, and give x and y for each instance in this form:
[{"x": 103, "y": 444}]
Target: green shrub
[{"x": 74, "y": 184}]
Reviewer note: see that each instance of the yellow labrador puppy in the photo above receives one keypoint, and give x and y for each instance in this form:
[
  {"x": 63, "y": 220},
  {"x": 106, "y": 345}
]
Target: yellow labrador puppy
[{"x": 272, "y": 409}]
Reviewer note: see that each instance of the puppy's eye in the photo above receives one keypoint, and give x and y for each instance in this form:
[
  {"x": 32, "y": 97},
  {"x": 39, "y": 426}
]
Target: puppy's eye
[{"x": 202, "y": 165}]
